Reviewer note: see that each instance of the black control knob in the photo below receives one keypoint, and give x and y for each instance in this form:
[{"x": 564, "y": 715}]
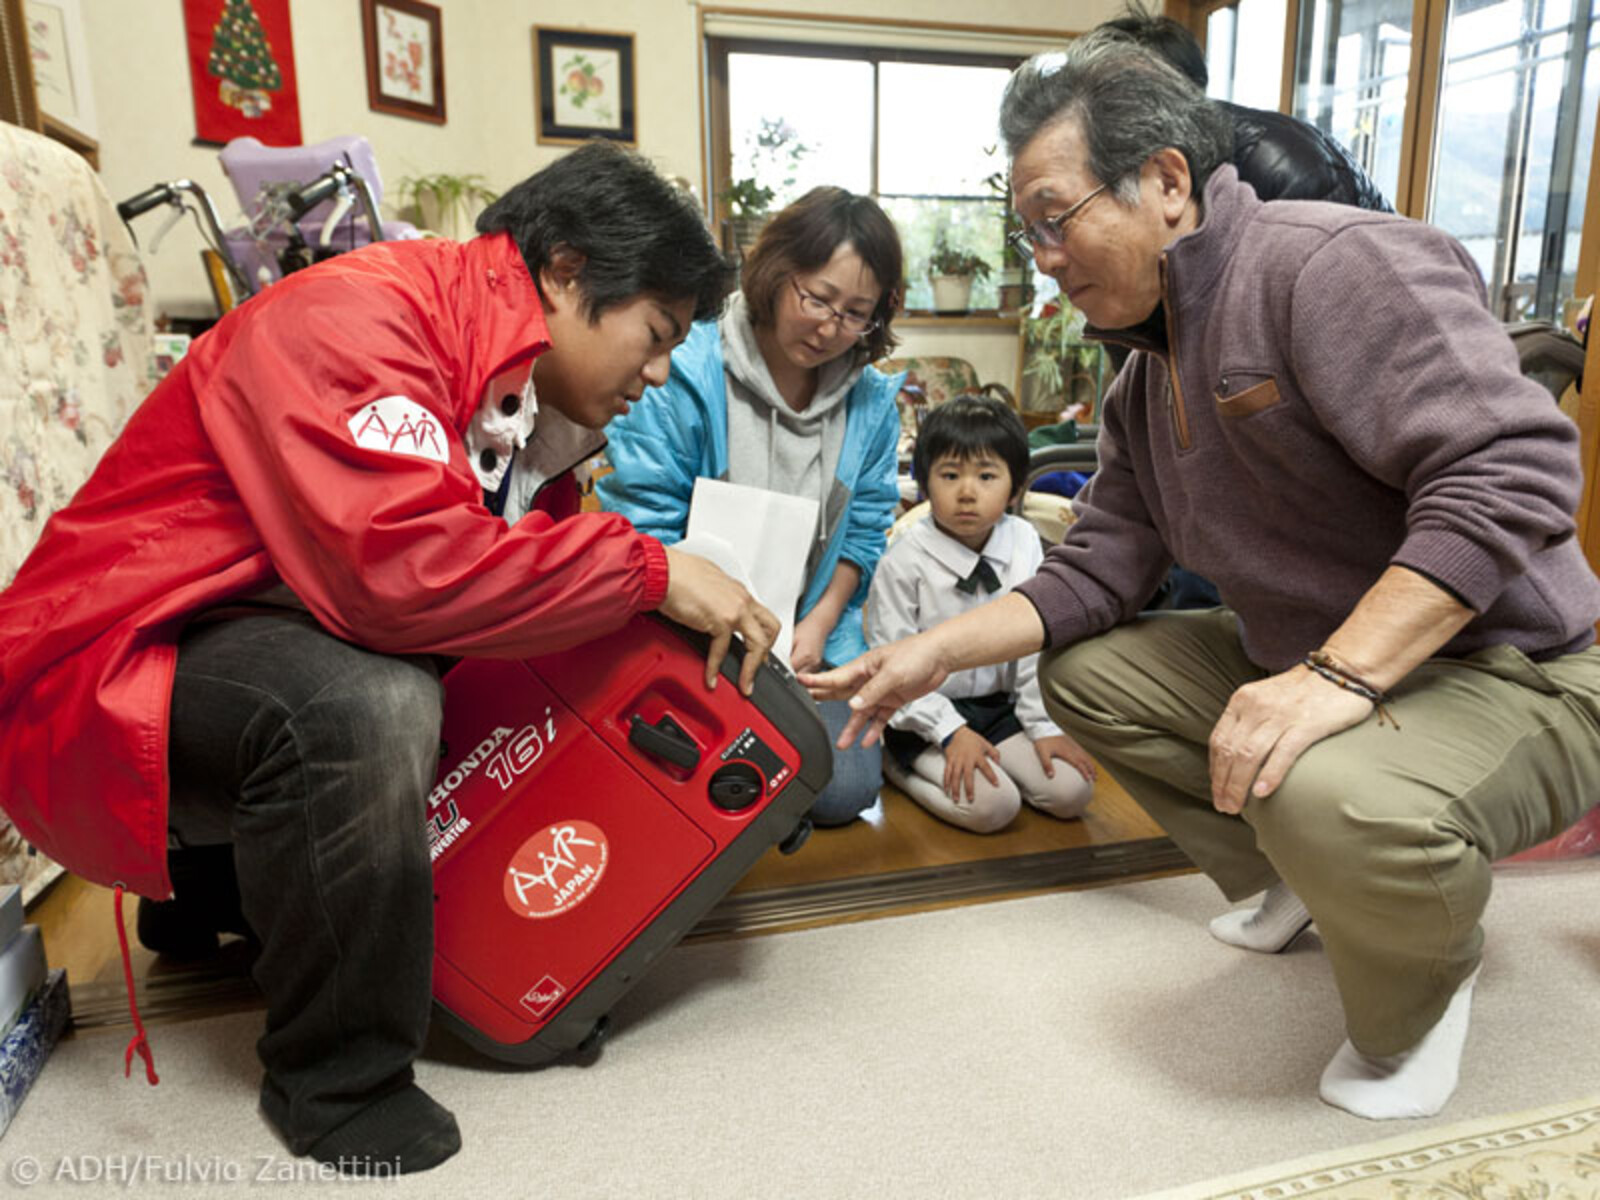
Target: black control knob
[{"x": 736, "y": 786}]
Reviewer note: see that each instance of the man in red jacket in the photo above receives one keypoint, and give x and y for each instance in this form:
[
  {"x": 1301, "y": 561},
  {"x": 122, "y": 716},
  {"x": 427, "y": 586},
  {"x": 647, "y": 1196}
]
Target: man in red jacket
[{"x": 365, "y": 467}]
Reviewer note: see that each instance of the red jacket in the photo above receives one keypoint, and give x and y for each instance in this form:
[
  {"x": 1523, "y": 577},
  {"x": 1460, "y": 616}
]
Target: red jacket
[{"x": 241, "y": 471}]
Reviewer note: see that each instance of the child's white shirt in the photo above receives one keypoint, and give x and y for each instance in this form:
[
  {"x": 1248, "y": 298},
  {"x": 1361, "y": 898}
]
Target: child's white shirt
[{"x": 914, "y": 588}]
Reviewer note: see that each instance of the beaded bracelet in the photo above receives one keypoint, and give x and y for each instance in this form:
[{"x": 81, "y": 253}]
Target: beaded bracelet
[{"x": 1323, "y": 664}]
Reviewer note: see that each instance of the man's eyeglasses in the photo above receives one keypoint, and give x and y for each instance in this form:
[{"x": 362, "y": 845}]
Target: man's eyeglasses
[
  {"x": 1049, "y": 231},
  {"x": 818, "y": 309}
]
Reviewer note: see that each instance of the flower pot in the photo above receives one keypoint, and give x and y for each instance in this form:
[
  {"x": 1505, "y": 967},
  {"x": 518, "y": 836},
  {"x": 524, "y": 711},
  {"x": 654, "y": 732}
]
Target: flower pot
[
  {"x": 433, "y": 215},
  {"x": 451, "y": 217},
  {"x": 746, "y": 230},
  {"x": 951, "y": 293},
  {"x": 1015, "y": 296}
]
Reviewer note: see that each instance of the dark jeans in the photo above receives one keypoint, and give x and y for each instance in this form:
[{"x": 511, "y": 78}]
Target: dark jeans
[
  {"x": 857, "y": 773},
  {"x": 1183, "y": 589},
  {"x": 315, "y": 758}
]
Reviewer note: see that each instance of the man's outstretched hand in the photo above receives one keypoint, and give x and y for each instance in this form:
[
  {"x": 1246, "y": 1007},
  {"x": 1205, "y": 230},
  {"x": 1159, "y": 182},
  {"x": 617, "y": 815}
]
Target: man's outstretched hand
[{"x": 878, "y": 683}]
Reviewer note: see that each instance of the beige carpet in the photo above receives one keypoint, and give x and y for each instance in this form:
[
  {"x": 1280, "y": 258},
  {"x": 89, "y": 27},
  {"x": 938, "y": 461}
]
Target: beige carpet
[{"x": 1076, "y": 1045}]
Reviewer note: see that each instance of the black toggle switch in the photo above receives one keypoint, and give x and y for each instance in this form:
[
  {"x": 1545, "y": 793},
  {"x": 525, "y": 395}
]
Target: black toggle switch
[{"x": 736, "y": 786}]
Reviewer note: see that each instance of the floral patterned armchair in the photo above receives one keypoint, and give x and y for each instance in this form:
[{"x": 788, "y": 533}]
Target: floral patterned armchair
[
  {"x": 930, "y": 381},
  {"x": 75, "y": 357}
]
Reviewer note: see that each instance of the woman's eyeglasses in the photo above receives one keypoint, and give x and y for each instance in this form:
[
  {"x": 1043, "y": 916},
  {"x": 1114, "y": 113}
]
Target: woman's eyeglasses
[
  {"x": 818, "y": 309},
  {"x": 1049, "y": 231}
]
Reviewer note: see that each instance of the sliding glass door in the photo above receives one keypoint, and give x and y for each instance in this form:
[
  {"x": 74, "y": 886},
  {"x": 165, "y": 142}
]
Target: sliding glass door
[{"x": 1512, "y": 144}]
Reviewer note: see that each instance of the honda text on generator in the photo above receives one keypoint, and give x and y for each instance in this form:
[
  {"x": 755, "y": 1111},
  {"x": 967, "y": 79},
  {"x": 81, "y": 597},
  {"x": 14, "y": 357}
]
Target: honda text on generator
[{"x": 592, "y": 805}]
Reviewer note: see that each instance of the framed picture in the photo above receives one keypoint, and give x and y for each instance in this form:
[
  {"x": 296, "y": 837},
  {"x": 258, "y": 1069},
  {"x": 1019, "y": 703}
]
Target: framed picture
[
  {"x": 61, "y": 63},
  {"x": 405, "y": 58},
  {"x": 241, "y": 71},
  {"x": 584, "y": 82}
]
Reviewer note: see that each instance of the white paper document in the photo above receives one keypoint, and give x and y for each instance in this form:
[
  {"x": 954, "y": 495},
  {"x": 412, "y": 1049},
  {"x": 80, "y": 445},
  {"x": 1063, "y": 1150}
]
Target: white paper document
[{"x": 766, "y": 535}]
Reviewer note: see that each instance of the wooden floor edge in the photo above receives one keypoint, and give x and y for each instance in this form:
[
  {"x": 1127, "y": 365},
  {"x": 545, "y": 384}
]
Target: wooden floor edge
[
  {"x": 810, "y": 904},
  {"x": 225, "y": 986}
]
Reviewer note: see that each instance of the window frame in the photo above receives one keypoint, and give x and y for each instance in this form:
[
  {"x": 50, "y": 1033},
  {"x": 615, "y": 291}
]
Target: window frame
[
  {"x": 718, "y": 124},
  {"x": 1423, "y": 96},
  {"x": 1423, "y": 80}
]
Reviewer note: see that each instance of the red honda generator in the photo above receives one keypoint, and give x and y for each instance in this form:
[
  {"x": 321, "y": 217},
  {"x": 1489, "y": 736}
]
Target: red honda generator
[{"x": 591, "y": 806}]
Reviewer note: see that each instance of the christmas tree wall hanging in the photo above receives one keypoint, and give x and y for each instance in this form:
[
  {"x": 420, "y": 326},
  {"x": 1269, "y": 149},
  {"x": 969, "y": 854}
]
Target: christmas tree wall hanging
[
  {"x": 241, "y": 57},
  {"x": 241, "y": 70}
]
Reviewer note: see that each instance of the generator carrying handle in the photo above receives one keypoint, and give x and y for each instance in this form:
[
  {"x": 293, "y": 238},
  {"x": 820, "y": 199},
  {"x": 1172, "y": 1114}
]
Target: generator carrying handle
[{"x": 665, "y": 739}]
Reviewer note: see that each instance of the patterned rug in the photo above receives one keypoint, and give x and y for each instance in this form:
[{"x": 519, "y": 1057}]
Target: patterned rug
[{"x": 1549, "y": 1153}]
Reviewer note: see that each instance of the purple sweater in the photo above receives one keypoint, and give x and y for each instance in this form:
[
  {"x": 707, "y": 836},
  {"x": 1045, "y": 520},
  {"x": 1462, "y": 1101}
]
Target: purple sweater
[{"x": 1334, "y": 397}]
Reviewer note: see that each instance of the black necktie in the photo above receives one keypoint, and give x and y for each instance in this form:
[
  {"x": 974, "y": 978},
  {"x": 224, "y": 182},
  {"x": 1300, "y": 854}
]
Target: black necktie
[{"x": 982, "y": 577}]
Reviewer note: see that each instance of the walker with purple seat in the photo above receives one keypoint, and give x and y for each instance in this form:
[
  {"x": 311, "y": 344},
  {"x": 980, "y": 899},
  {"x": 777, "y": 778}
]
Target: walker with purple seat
[{"x": 280, "y": 231}]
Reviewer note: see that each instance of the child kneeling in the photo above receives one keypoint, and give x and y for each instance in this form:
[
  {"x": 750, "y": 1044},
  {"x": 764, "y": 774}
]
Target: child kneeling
[{"x": 973, "y": 751}]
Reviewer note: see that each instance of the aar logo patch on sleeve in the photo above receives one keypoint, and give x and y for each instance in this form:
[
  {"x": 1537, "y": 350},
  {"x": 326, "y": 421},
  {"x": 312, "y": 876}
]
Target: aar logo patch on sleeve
[{"x": 399, "y": 425}]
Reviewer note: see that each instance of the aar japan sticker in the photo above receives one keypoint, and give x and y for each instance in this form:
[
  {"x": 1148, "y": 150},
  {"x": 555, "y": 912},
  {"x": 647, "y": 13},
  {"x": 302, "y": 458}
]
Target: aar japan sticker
[
  {"x": 541, "y": 997},
  {"x": 399, "y": 425},
  {"x": 556, "y": 869}
]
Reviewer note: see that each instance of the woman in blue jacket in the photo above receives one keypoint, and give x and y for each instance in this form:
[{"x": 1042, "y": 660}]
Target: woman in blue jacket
[{"x": 778, "y": 395}]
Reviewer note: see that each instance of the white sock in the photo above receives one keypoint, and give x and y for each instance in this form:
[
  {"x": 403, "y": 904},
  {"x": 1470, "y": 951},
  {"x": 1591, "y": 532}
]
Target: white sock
[
  {"x": 1413, "y": 1083},
  {"x": 1269, "y": 927}
]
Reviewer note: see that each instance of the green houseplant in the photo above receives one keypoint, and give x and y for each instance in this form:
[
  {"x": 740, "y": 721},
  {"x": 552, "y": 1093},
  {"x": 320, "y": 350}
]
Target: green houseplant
[
  {"x": 749, "y": 204},
  {"x": 1060, "y": 369},
  {"x": 772, "y": 152},
  {"x": 1016, "y": 276},
  {"x": 952, "y": 272},
  {"x": 444, "y": 203},
  {"x": 747, "y": 198}
]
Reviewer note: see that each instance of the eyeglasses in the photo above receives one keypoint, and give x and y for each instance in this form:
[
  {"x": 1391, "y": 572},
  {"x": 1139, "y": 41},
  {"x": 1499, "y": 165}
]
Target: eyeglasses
[
  {"x": 1049, "y": 231},
  {"x": 818, "y": 309}
]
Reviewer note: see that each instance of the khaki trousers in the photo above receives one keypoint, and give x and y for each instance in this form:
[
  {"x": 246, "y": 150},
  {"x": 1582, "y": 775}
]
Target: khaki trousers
[{"x": 1386, "y": 835}]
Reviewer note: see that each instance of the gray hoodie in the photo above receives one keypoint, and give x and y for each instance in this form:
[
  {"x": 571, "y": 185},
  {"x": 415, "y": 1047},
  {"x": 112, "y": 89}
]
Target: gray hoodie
[{"x": 770, "y": 445}]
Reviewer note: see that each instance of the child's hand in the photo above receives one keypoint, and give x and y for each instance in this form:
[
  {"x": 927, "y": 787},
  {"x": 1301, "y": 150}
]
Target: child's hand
[
  {"x": 1068, "y": 751},
  {"x": 965, "y": 753},
  {"x": 805, "y": 654}
]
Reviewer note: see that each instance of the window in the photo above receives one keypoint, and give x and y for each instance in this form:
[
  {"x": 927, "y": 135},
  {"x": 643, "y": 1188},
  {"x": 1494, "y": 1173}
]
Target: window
[
  {"x": 1512, "y": 143},
  {"x": 1351, "y": 73},
  {"x": 914, "y": 129},
  {"x": 1244, "y": 52}
]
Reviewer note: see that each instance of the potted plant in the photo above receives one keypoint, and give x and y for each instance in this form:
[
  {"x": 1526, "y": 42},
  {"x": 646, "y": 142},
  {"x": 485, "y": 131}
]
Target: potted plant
[
  {"x": 444, "y": 203},
  {"x": 1060, "y": 370},
  {"x": 749, "y": 204},
  {"x": 771, "y": 151},
  {"x": 952, "y": 272},
  {"x": 1016, "y": 275}
]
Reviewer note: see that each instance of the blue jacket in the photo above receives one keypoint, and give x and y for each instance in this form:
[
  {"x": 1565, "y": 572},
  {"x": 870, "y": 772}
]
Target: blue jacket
[{"x": 679, "y": 432}]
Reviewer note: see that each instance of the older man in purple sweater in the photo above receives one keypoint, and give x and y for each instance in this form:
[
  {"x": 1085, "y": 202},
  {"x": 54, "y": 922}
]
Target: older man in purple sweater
[{"x": 1322, "y": 416}]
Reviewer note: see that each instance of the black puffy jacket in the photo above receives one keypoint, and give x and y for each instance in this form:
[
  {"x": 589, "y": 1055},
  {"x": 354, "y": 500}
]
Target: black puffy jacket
[{"x": 1285, "y": 158}]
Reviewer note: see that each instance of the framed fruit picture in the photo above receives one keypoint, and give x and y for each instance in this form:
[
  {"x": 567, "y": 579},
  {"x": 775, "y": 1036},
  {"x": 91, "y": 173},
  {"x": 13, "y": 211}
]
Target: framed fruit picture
[{"x": 584, "y": 83}]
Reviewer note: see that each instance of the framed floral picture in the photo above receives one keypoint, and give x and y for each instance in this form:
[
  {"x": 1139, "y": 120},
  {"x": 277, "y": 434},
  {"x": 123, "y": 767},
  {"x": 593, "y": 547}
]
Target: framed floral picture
[
  {"x": 584, "y": 83},
  {"x": 405, "y": 58},
  {"x": 60, "y": 56}
]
